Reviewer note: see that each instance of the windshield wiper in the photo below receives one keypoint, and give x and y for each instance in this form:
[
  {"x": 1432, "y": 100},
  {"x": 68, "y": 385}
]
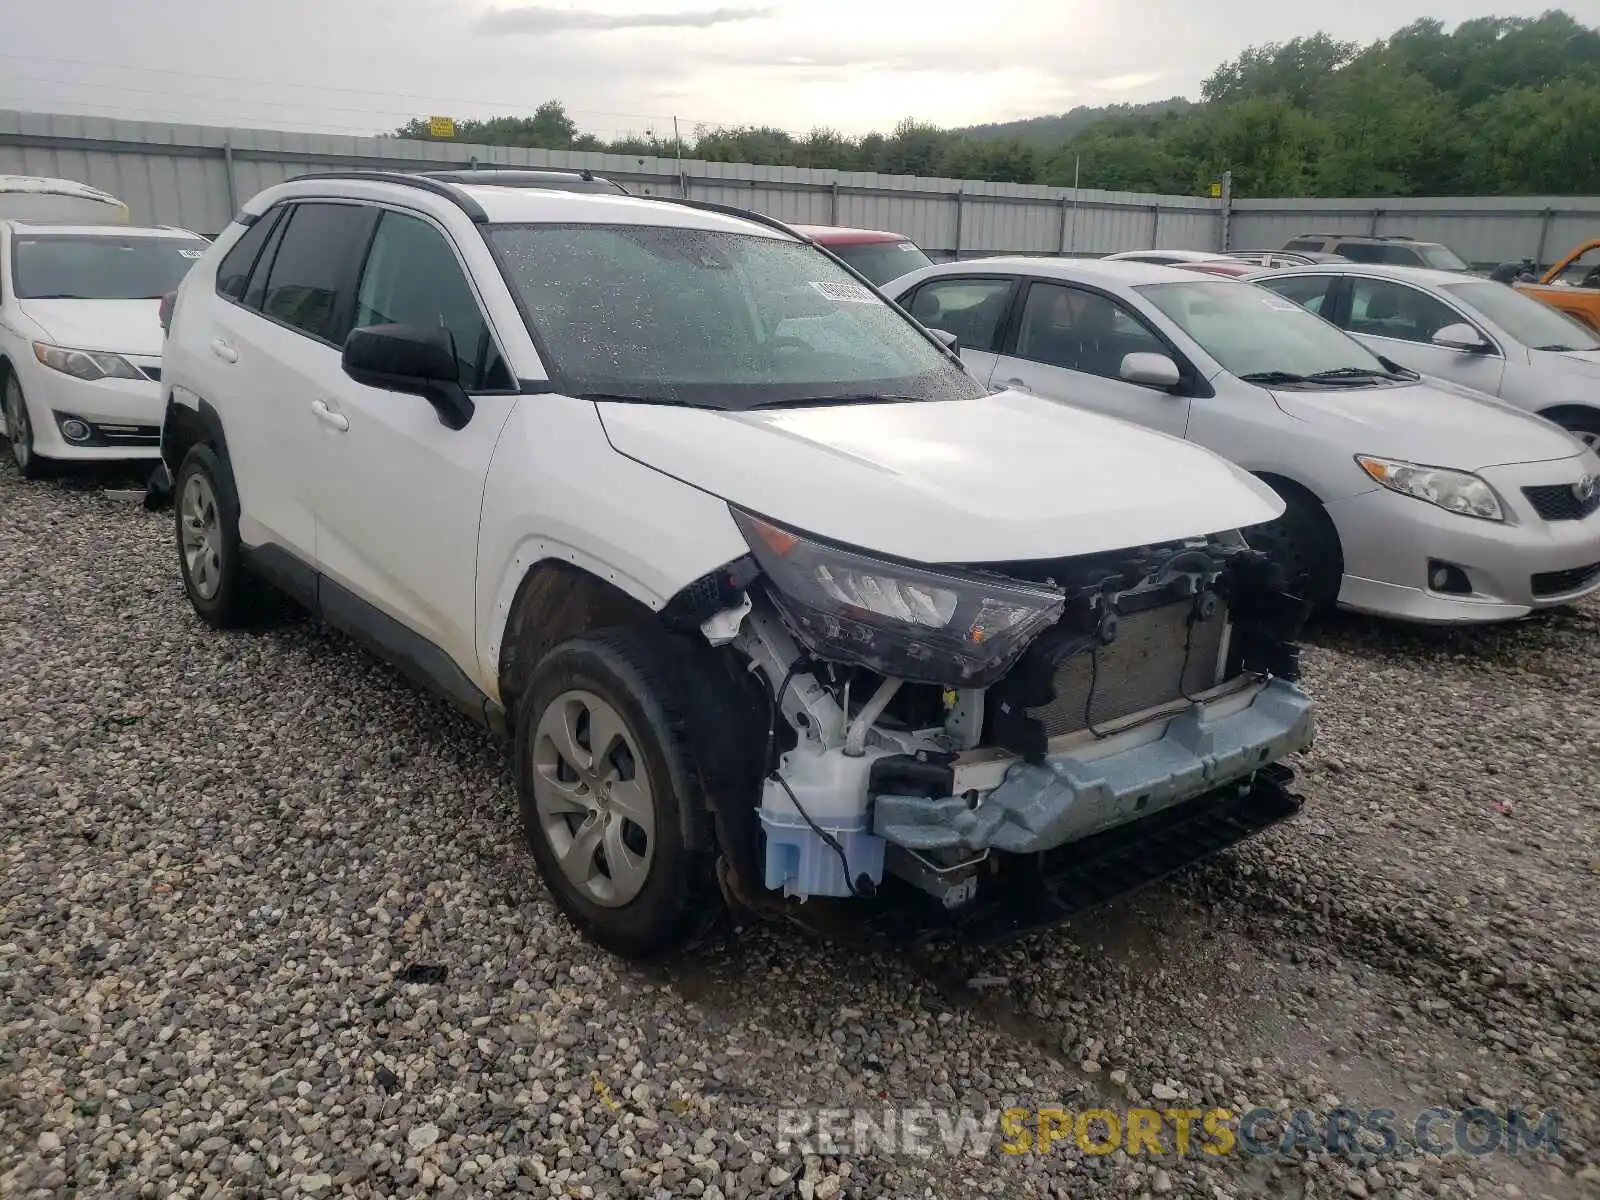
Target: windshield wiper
[
  {"x": 57, "y": 296},
  {"x": 617, "y": 398},
  {"x": 1352, "y": 373},
  {"x": 821, "y": 401},
  {"x": 1274, "y": 377},
  {"x": 1558, "y": 348}
]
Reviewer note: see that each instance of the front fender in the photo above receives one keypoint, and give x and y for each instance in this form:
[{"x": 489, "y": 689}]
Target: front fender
[{"x": 557, "y": 491}]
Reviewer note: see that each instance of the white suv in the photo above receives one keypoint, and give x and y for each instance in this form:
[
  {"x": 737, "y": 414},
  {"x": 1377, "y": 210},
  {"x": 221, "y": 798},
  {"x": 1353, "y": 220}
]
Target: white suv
[
  {"x": 768, "y": 591},
  {"x": 80, "y": 337}
]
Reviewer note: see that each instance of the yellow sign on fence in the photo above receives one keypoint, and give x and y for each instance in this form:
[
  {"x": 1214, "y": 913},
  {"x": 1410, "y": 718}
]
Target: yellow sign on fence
[
  {"x": 1216, "y": 188},
  {"x": 441, "y": 127}
]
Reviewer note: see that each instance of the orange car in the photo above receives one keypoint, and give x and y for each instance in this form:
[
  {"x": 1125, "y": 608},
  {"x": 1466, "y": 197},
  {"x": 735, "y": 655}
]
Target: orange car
[{"x": 1572, "y": 285}]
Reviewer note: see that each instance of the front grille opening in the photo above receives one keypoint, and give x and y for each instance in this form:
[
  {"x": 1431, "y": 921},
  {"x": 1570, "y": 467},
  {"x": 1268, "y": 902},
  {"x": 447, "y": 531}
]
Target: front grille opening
[
  {"x": 1145, "y": 667},
  {"x": 1558, "y": 502},
  {"x": 1559, "y": 583}
]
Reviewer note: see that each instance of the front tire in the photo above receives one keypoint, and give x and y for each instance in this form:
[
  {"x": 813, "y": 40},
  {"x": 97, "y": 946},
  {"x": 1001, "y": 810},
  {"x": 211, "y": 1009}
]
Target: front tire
[
  {"x": 19, "y": 431},
  {"x": 605, "y": 770},
  {"x": 1305, "y": 544},
  {"x": 206, "y": 525},
  {"x": 1585, "y": 426}
]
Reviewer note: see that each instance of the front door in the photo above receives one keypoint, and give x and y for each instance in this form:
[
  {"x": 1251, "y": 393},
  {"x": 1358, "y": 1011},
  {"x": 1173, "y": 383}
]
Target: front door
[
  {"x": 1398, "y": 321},
  {"x": 398, "y": 492},
  {"x": 1069, "y": 345}
]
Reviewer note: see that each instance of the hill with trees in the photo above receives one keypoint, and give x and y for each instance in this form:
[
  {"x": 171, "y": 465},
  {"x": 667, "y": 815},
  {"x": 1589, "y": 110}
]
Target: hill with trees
[{"x": 1498, "y": 105}]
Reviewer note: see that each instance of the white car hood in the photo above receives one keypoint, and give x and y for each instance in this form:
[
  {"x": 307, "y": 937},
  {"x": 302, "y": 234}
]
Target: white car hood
[
  {"x": 119, "y": 326},
  {"x": 1006, "y": 477},
  {"x": 1433, "y": 423},
  {"x": 1585, "y": 364}
]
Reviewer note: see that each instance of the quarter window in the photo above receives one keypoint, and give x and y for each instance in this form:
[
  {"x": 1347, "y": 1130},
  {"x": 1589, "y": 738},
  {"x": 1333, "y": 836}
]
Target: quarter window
[
  {"x": 308, "y": 285},
  {"x": 1381, "y": 308},
  {"x": 412, "y": 277},
  {"x": 972, "y": 309},
  {"x": 234, "y": 271},
  {"x": 1081, "y": 331}
]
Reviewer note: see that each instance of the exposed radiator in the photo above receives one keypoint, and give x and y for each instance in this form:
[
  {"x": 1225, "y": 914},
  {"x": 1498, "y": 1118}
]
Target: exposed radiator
[{"x": 1145, "y": 667}]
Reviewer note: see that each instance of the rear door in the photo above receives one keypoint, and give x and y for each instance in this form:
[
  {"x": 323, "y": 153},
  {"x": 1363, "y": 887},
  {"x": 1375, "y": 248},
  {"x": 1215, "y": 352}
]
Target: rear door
[
  {"x": 280, "y": 341},
  {"x": 1398, "y": 321},
  {"x": 1068, "y": 344},
  {"x": 975, "y": 308}
]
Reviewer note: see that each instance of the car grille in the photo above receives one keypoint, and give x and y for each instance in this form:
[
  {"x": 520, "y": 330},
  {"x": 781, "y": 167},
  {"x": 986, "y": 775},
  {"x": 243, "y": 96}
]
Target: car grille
[
  {"x": 1558, "y": 583},
  {"x": 1558, "y": 502},
  {"x": 151, "y": 373},
  {"x": 1140, "y": 670},
  {"x": 127, "y": 435}
]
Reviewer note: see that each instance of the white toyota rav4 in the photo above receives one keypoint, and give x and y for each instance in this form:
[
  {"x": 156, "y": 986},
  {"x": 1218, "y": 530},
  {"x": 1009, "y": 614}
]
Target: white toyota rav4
[{"x": 771, "y": 595}]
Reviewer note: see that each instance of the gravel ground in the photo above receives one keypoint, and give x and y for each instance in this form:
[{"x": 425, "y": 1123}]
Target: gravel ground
[{"x": 266, "y": 929}]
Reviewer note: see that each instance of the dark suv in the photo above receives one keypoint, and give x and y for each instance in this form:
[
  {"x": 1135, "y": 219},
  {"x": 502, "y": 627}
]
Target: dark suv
[{"x": 1394, "y": 251}]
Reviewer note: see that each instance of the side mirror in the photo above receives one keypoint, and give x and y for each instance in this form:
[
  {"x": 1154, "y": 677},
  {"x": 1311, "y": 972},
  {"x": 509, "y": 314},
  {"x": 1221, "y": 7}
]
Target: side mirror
[
  {"x": 1150, "y": 370},
  {"x": 410, "y": 359},
  {"x": 950, "y": 340},
  {"x": 1461, "y": 336}
]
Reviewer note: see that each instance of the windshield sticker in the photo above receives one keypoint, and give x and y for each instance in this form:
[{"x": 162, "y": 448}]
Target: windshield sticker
[
  {"x": 191, "y": 253},
  {"x": 845, "y": 293},
  {"x": 1278, "y": 302}
]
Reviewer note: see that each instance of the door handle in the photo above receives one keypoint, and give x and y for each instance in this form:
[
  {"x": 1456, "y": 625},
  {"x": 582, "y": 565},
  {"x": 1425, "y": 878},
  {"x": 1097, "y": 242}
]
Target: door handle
[
  {"x": 328, "y": 417},
  {"x": 224, "y": 351}
]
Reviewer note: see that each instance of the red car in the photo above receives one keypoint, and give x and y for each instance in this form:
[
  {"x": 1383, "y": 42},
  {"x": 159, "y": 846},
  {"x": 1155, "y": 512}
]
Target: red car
[{"x": 878, "y": 255}]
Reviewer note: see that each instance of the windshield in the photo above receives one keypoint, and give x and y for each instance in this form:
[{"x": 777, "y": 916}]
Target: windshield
[
  {"x": 68, "y": 267},
  {"x": 1442, "y": 258},
  {"x": 883, "y": 261},
  {"x": 714, "y": 320},
  {"x": 1253, "y": 332},
  {"x": 1525, "y": 319}
]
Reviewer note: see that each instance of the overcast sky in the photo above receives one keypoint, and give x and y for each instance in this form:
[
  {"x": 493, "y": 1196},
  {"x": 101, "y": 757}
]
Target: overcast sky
[{"x": 363, "y": 66}]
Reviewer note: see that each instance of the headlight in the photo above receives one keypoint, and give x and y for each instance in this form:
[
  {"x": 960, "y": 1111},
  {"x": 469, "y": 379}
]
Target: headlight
[
  {"x": 914, "y": 623},
  {"x": 85, "y": 364},
  {"x": 1458, "y": 491}
]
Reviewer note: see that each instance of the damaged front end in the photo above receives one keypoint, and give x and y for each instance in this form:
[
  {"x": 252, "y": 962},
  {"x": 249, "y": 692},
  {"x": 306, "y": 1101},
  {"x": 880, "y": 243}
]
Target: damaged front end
[{"x": 990, "y": 748}]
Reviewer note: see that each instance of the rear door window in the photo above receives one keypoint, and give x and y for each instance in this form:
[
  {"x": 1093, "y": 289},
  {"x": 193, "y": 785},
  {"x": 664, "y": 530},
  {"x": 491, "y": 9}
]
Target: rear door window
[
  {"x": 1310, "y": 292},
  {"x": 313, "y": 274},
  {"x": 972, "y": 309}
]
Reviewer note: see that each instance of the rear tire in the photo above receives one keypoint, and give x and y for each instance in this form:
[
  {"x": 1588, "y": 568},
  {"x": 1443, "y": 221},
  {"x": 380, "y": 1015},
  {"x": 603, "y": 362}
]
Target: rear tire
[
  {"x": 605, "y": 822},
  {"x": 206, "y": 527},
  {"x": 1304, "y": 542},
  {"x": 19, "y": 431}
]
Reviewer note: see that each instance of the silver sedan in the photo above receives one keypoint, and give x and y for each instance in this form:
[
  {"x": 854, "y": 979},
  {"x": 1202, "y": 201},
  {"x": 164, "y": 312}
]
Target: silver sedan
[
  {"x": 1474, "y": 332},
  {"x": 1403, "y": 498}
]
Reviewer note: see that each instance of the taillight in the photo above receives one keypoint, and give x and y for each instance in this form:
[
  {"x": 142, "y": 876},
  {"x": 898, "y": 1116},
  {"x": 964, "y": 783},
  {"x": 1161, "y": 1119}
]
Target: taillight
[{"x": 168, "y": 303}]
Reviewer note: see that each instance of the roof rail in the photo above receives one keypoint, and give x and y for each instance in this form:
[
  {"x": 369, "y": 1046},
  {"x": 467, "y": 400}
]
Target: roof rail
[
  {"x": 438, "y": 187},
  {"x": 732, "y": 210}
]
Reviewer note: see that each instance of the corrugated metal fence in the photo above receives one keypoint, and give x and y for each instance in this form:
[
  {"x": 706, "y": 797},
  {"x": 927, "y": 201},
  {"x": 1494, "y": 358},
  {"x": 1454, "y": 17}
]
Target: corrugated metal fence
[
  {"x": 197, "y": 176},
  {"x": 1483, "y": 229}
]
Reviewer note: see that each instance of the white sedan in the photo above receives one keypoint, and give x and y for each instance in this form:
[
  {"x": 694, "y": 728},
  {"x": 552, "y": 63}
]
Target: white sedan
[
  {"x": 80, "y": 338},
  {"x": 1403, "y": 497},
  {"x": 1475, "y": 332}
]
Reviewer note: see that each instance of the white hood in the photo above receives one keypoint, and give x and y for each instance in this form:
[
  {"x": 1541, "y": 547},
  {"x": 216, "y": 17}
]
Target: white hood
[
  {"x": 1434, "y": 422},
  {"x": 118, "y": 326},
  {"x": 1006, "y": 477},
  {"x": 1585, "y": 364}
]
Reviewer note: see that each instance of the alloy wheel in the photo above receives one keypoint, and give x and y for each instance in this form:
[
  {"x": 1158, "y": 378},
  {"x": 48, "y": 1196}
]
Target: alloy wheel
[
  {"x": 593, "y": 798},
  {"x": 18, "y": 432},
  {"x": 202, "y": 536}
]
